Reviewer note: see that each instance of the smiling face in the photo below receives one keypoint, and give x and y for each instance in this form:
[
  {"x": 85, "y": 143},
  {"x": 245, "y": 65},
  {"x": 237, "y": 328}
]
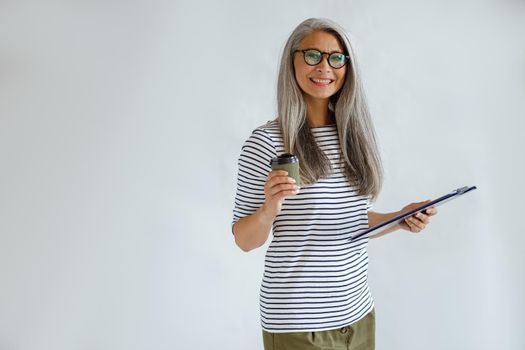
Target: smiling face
[{"x": 321, "y": 81}]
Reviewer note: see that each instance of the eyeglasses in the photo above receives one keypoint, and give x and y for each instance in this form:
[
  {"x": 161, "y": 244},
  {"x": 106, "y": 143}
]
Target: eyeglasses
[{"x": 313, "y": 57}]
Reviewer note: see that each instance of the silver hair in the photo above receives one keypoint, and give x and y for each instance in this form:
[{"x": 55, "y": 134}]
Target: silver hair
[{"x": 356, "y": 132}]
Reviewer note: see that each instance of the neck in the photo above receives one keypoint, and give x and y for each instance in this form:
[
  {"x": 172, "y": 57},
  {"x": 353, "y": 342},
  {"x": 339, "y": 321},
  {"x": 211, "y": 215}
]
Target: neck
[{"x": 318, "y": 113}]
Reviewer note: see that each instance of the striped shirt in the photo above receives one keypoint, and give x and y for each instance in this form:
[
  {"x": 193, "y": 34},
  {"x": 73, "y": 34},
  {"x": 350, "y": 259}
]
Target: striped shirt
[{"x": 314, "y": 278}]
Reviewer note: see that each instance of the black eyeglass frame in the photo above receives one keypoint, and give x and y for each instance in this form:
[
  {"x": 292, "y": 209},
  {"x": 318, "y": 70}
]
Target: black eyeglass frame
[{"x": 347, "y": 57}]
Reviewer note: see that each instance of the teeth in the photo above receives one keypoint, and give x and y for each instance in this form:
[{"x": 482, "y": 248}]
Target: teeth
[{"x": 321, "y": 81}]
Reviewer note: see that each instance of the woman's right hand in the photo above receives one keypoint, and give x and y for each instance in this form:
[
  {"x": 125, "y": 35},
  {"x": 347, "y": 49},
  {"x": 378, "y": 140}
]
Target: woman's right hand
[{"x": 278, "y": 186}]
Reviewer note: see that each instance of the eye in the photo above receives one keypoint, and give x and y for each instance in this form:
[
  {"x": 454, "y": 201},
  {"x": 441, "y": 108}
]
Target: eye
[
  {"x": 337, "y": 58},
  {"x": 312, "y": 55}
]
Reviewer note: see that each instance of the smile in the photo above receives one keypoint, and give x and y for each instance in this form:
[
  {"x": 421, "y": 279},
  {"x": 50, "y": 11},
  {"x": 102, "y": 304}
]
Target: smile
[{"x": 321, "y": 81}]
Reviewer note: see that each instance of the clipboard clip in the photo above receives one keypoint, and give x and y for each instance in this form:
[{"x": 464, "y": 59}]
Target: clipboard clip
[{"x": 464, "y": 189}]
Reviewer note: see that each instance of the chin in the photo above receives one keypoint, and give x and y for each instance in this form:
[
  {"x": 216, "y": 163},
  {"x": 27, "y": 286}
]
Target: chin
[{"x": 323, "y": 96}]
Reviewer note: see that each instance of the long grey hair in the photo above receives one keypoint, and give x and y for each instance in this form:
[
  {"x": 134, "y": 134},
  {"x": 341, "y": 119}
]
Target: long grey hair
[{"x": 356, "y": 132}]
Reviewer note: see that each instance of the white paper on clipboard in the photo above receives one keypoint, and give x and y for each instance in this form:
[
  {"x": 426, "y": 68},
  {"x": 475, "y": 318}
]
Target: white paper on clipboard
[{"x": 393, "y": 221}]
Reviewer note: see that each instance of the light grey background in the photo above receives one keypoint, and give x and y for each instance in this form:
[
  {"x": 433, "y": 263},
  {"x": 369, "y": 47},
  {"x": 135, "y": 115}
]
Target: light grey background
[{"x": 120, "y": 127}]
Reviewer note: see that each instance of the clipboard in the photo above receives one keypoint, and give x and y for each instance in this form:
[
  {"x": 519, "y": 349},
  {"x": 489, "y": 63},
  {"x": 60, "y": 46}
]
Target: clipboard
[{"x": 393, "y": 221}]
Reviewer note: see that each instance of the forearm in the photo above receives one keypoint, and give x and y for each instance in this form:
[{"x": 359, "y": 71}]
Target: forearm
[
  {"x": 377, "y": 218},
  {"x": 253, "y": 230}
]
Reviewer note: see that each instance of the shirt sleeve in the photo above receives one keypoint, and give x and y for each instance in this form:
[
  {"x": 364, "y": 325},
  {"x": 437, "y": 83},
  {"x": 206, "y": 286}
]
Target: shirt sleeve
[
  {"x": 253, "y": 169},
  {"x": 369, "y": 204}
]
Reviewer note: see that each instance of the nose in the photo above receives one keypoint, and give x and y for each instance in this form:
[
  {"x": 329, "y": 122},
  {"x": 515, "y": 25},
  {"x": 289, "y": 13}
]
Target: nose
[{"x": 323, "y": 65}]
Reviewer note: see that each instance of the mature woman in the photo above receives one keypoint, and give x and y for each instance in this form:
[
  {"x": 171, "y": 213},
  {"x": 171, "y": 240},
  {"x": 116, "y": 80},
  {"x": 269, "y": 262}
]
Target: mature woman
[{"x": 314, "y": 292}]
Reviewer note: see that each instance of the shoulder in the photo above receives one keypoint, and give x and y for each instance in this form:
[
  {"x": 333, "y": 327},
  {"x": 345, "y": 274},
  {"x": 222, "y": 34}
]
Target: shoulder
[
  {"x": 267, "y": 135},
  {"x": 270, "y": 130},
  {"x": 261, "y": 146}
]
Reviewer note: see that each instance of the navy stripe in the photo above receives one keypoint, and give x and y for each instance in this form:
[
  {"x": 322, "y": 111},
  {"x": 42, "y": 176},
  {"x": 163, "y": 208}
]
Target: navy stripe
[
  {"x": 354, "y": 286},
  {"x": 323, "y": 260},
  {"x": 318, "y": 250}
]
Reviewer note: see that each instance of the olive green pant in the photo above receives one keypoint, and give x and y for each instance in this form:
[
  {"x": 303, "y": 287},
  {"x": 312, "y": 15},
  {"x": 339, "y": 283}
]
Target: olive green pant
[{"x": 357, "y": 336}]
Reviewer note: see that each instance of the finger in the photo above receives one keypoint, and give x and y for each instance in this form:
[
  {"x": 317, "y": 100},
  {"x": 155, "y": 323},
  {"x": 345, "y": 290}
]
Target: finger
[
  {"x": 418, "y": 225},
  {"x": 421, "y": 225},
  {"x": 422, "y": 217},
  {"x": 279, "y": 179},
  {"x": 410, "y": 225},
  {"x": 275, "y": 190},
  {"x": 283, "y": 194},
  {"x": 431, "y": 211},
  {"x": 275, "y": 173}
]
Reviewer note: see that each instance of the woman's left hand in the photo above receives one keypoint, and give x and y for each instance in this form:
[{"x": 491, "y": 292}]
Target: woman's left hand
[{"x": 417, "y": 222}]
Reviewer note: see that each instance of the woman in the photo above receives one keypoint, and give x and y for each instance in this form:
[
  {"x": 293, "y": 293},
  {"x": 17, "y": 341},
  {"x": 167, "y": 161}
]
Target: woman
[{"x": 314, "y": 293}]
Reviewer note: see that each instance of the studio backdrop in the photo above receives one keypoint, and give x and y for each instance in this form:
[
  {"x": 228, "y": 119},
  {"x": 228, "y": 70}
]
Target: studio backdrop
[{"x": 121, "y": 123}]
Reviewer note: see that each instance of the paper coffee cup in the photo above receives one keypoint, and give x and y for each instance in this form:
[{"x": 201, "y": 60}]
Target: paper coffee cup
[{"x": 288, "y": 162}]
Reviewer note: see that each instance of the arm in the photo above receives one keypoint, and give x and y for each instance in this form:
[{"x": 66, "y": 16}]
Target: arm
[
  {"x": 414, "y": 223},
  {"x": 253, "y": 230},
  {"x": 376, "y": 218}
]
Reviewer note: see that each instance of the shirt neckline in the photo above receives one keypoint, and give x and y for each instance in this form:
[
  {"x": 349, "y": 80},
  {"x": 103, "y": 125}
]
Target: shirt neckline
[{"x": 323, "y": 127}]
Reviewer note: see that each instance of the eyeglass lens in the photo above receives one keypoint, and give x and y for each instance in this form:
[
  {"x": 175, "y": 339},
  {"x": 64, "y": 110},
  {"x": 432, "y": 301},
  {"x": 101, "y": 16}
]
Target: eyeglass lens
[{"x": 335, "y": 59}]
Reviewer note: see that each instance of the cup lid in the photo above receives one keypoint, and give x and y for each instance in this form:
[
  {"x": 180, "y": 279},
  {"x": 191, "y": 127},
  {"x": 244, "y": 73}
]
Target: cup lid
[{"x": 284, "y": 158}]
